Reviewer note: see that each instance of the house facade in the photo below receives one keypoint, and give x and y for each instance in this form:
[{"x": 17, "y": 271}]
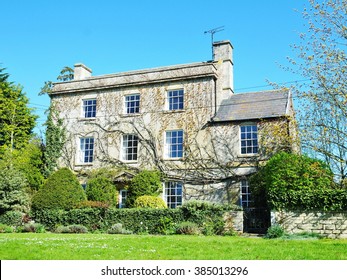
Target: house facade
[{"x": 184, "y": 120}]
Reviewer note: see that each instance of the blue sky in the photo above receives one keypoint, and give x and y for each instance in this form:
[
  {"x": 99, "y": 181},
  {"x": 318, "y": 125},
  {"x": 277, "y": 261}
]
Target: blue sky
[{"x": 40, "y": 37}]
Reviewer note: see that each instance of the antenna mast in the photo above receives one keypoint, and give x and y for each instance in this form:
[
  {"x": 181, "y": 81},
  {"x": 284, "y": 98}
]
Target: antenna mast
[{"x": 212, "y": 32}]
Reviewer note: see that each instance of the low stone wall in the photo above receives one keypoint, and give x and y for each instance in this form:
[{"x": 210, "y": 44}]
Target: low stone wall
[
  {"x": 328, "y": 224},
  {"x": 234, "y": 220}
]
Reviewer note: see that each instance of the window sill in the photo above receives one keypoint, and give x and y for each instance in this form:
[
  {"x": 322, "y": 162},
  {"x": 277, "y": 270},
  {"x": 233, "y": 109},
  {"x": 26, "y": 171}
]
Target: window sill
[
  {"x": 130, "y": 161},
  {"x": 248, "y": 155},
  {"x": 173, "y": 159},
  {"x": 86, "y": 119},
  {"x": 83, "y": 164},
  {"x": 130, "y": 115},
  {"x": 167, "y": 111}
]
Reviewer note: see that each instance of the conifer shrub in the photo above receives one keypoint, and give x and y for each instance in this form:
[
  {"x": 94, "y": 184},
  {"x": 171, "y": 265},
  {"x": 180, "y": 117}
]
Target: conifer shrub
[
  {"x": 148, "y": 201},
  {"x": 147, "y": 182},
  {"x": 61, "y": 191},
  {"x": 101, "y": 189}
]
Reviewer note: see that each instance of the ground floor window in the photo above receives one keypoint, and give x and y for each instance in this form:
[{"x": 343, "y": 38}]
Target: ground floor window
[
  {"x": 122, "y": 198},
  {"x": 245, "y": 194},
  {"x": 173, "y": 194}
]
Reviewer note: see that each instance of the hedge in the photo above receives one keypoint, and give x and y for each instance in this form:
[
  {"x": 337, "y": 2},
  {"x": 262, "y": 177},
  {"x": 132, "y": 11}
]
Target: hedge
[{"x": 209, "y": 217}]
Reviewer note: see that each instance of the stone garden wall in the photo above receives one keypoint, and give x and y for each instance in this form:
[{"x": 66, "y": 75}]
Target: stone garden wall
[{"x": 328, "y": 224}]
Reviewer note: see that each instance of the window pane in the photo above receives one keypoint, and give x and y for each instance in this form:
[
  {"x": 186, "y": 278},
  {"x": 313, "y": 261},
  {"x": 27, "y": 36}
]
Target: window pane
[
  {"x": 249, "y": 139},
  {"x": 89, "y": 108}
]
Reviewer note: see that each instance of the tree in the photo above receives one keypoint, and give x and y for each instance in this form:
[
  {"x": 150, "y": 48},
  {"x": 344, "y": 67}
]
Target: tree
[
  {"x": 3, "y": 76},
  {"x": 17, "y": 119},
  {"x": 322, "y": 59},
  {"x": 61, "y": 191}
]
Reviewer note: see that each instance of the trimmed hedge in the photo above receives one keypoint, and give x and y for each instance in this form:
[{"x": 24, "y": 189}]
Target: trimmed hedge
[
  {"x": 137, "y": 220},
  {"x": 148, "y": 201}
]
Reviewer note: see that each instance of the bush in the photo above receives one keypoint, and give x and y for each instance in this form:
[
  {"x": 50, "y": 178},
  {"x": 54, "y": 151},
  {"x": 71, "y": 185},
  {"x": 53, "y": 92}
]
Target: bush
[
  {"x": 189, "y": 228},
  {"x": 93, "y": 204},
  {"x": 61, "y": 191},
  {"x": 5, "y": 229},
  {"x": 101, "y": 189},
  {"x": 71, "y": 229},
  {"x": 118, "y": 229},
  {"x": 147, "y": 201},
  {"x": 12, "y": 218},
  {"x": 275, "y": 231},
  {"x": 145, "y": 183},
  {"x": 295, "y": 182},
  {"x": 34, "y": 227}
]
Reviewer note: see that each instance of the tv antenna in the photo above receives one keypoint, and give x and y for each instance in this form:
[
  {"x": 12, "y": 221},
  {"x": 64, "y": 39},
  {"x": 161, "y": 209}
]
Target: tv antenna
[{"x": 212, "y": 32}]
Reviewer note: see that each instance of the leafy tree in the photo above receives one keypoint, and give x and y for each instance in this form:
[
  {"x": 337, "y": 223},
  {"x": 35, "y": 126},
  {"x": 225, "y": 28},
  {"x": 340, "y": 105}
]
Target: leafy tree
[
  {"x": 17, "y": 120},
  {"x": 13, "y": 195},
  {"x": 145, "y": 183},
  {"x": 61, "y": 191},
  {"x": 322, "y": 60}
]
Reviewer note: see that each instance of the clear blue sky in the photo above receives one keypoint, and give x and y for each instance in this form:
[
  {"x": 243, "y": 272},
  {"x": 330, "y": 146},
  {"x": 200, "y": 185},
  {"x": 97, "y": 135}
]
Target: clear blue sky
[{"x": 40, "y": 37}]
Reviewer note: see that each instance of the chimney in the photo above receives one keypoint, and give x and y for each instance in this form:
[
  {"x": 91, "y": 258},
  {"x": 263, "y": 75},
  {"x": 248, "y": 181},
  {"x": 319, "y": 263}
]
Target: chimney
[
  {"x": 223, "y": 58},
  {"x": 81, "y": 72}
]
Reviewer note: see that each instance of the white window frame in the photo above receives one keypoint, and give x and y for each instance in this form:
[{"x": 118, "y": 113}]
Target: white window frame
[
  {"x": 122, "y": 198},
  {"x": 245, "y": 194},
  {"x": 125, "y": 148},
  {"x": 84, "y": 151},
  {"x": 171, "y": 142},
  {"x": 85, "y": 112},
  {"x": 175, "y": 102},
  {"x": 128, "y": 104},
  {"x": 173, "y": 194},
  {"x": 251, "y": 146}
]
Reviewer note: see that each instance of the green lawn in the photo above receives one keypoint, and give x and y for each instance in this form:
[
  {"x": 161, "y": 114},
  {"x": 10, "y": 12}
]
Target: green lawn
[{"x": 49, "y": 246}]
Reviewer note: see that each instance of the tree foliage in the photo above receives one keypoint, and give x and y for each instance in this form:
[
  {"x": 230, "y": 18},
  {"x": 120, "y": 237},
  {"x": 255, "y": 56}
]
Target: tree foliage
[
  {"x": 295, "y": 182},
  {"x": 17, "y": 119},
  {"x": 61, "y": 191},
  {"x": 322, "y": 59},
  {"x": 145, "y": 183},
  {"x": 101, "y": 189},
  {"x": 148, "y": 201}
]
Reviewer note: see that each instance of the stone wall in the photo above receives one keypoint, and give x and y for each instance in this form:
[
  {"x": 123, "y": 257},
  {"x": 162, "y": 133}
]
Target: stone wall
[
  {"x": 328, "y": 224},
  {"x": 234, "y": 220}
]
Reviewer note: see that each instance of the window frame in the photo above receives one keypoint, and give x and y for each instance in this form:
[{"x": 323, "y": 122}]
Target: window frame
[
  {"x": 122, "y": 198},
  {"x": 125, "y": 149},
  {"x": 168, "y": 151},
  {"x": 249, "y": 142},
  {"x": 85, "y": 106},
  {"x": 175, "y": 198},
  {"x": 245, "y": 203},
  {"x": 170, "y": 104},
  {"x": 86, "y": 153},
  {"x": 127, "y": 103}
]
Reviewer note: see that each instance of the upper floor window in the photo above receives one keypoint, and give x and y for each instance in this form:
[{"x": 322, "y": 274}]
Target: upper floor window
[
  {"x": 245, "y": 194},
  {"x": 132, "y": 104},
  {"x": 175, "y": 99},
  {"x": 173, "y": 194},
  {"x": 249, "y": 139},
  {"x": 86, "y": 150},
  {"x": 174, "y": 144},
  {"x": 130, "y": 147},
  {"x": 89, "y": 108}
]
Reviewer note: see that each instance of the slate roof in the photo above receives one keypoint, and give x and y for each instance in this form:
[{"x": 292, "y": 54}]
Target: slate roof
[{"x": 254, "y": 105}]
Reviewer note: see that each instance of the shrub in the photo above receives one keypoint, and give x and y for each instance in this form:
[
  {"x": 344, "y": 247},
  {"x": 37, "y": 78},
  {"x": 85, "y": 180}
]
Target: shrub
[
  {"x": 12, "y": 218},
  {"x": 275, "y": 231},
  {"x": 189, "y": 228},
  {"x": 145, "y": 183},
  {"x": 61, "y": 191},
  {"x": 118, "y": 229},
  {"x": 101, "y": 189},
  {"x": 5, "y": 229},
  {"x": 71, "y": 229},
  {"x": 148, "y": 201},
  {"x": 34, "y": 227},
  {"x": 295, "y": 182},
  {"x": 93, "y": 204}
]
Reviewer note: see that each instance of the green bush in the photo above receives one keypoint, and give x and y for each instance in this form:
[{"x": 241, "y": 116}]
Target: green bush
[
  {"x": 34, "y": 227},
  {"x": 12, "y": 218},
  {"x": 71, "y": 229},
  {"x": 118, "y": 229},
  {"x": 275, "y": 231},
  {"x": 295, "y": 182},
  {"x": 101, "y": 189},
  {"x": 5, "y": 229},
  {"x": 148, "y": 201},
  {"x": 189, "y": 228},
  {"x": 61, "y": 191},
  {"x": 145, "y": 183}
]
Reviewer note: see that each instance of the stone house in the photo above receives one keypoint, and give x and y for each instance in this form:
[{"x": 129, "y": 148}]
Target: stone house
[{"x": 184, "y": 120}]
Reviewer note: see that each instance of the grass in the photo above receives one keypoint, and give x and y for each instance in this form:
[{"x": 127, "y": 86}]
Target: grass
[{"x": 49, "y": 246}]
